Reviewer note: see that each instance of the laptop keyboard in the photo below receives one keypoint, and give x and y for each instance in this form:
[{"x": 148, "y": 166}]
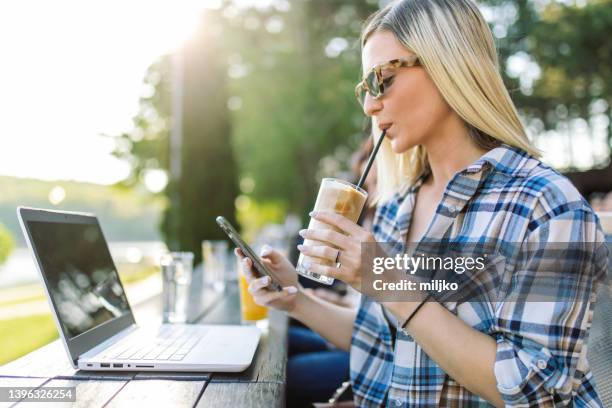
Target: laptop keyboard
[{"x": 171, "y": 344}]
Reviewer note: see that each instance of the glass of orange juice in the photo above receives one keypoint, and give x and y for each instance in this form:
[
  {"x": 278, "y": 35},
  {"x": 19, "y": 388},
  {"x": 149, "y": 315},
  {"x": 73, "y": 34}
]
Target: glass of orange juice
[{"x": 250, "y": 311}]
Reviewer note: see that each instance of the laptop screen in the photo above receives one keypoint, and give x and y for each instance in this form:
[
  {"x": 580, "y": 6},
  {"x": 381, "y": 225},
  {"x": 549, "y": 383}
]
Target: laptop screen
[{"x": 80, "y": 274}]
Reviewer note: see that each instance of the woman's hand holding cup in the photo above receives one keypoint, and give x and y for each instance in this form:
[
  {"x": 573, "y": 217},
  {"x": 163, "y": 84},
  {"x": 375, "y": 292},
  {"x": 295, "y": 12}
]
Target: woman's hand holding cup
[{"x": 342, "y": 244}]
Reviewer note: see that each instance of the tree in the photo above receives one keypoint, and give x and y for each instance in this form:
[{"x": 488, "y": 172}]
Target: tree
[
  {"x": 291, "y": 70},
  {"x": 294, "y": 71},
  {"x": 565, "y": 51},
  {"x": 207, "y": 186}
]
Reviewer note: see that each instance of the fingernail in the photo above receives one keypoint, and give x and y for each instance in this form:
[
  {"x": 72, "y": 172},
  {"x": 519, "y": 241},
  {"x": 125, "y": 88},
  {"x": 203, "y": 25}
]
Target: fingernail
[
  {"x": 302, "y": 232},
  {"x": 266, "y": 250},
  {"x": 291, "y": 289},
  {"x": 313, "y": 213},
  {"x": 266, "y": 280},
  {"x": 300, "y": 247}
]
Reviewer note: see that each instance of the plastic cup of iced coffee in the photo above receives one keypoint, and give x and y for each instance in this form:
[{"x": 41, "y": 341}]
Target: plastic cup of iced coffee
[{"x": 338, "y": 196}]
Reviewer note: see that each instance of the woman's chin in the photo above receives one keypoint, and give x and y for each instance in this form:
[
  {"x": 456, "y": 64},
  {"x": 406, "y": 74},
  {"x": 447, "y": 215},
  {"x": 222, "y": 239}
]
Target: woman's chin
[{"x": 399, "y": 146}]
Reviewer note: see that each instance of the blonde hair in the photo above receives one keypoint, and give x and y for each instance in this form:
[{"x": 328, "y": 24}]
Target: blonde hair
[{"x": 455, "y": 46}]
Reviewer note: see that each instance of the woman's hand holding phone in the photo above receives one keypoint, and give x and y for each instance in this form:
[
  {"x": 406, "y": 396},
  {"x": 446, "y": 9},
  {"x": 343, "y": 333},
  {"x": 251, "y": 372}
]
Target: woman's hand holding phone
[{"x": 283, "y": 271}]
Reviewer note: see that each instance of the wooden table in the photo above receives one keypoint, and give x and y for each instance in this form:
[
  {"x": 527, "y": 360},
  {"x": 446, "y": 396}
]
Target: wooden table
[{"x": 261, "y": 385}]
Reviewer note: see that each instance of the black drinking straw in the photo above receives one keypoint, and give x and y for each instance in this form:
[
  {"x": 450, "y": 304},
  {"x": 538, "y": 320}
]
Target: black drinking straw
[{"x": 364, "y": 175}]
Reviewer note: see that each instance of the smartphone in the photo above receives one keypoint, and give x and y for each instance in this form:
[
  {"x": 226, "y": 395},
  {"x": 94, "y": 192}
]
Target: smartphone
[{"x": 260, "y": 269}]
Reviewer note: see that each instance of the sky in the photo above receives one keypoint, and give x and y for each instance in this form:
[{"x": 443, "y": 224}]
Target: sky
[{"x": 71, "y": 71}]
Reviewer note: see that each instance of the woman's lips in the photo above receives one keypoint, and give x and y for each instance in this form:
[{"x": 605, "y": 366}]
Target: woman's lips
[{"x": 385, "y": 126}]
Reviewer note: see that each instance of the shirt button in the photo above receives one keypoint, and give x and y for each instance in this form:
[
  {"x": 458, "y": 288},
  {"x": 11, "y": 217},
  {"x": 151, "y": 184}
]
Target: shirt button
[
  {"x": 398, "y": 403},
  {"x": 452, "y": 210},
  {"x": 542, "y": 364}
]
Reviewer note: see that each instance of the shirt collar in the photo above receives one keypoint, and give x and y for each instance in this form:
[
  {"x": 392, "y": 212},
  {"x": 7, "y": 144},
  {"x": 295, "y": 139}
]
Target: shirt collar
[
  {"x": 507, "y": 160},
  {"x": 504, "y": 159}
]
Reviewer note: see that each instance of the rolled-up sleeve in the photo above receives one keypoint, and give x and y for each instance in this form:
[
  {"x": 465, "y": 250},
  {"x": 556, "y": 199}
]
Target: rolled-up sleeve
[{"x": 545, "y": 309}]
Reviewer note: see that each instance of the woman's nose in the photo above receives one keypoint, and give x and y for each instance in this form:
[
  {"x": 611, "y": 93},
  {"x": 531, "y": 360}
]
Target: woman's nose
[{"x": 371, "y": 105}]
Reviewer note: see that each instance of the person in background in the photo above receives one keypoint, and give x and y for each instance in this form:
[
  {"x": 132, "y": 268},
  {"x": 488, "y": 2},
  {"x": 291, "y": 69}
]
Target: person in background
[{"x": 602, "y": 202}]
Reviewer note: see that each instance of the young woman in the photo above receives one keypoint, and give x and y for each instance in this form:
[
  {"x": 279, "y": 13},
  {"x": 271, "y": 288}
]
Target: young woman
[{"x": 456, "y": 166}]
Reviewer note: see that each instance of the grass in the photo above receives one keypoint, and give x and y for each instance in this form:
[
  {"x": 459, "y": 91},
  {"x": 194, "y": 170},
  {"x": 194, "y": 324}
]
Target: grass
[
  {"x": 131, "y": 273},
  {"x": 12, "y": 302},
  {"x": 21, "y": 293},
  {"x": 24, "y": 335}
]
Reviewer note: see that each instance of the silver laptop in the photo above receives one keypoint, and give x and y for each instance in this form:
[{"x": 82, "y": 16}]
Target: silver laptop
[{"x": 94, "y": 317}]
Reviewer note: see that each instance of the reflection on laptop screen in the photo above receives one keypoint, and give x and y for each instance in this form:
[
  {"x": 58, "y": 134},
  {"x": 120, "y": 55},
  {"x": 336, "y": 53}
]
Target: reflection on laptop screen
[{"x": 80, "y": 274}]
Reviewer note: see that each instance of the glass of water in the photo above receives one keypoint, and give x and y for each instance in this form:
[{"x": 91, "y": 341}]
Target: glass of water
[
  {"x": 214, "y": 260},
  {"x": 176, "y": 269}
]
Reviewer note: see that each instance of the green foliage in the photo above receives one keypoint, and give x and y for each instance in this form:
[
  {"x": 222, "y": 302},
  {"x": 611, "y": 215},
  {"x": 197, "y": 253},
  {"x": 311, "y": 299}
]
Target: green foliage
[
  {"x": 253, "y": 215},
  {"x": 27, "y": 334},
  {"x": 297, "y": 105},
  {"x": 291, "y": 70},
  {"x": 298, "y": 101},
  {"x": 572, "y": 48},
  {"x": 125, "y": 214},
  {"x": 7, "y": 243},
  {"x": 145, "y": 146},
  {"x": 208, "y": 185},
  {"x": 576, "y": 62}
]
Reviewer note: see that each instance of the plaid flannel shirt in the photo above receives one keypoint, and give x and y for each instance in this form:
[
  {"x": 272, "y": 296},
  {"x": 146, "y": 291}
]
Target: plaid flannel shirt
[{"x": 506, "y": 196}]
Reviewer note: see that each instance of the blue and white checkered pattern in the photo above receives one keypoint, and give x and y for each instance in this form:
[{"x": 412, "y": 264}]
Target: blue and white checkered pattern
[{"x": 508, "y": 197}]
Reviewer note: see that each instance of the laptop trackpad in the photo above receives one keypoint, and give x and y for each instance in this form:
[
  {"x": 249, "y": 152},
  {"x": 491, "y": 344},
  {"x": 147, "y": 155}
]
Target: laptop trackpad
[{"x": 226, "y": 346}]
